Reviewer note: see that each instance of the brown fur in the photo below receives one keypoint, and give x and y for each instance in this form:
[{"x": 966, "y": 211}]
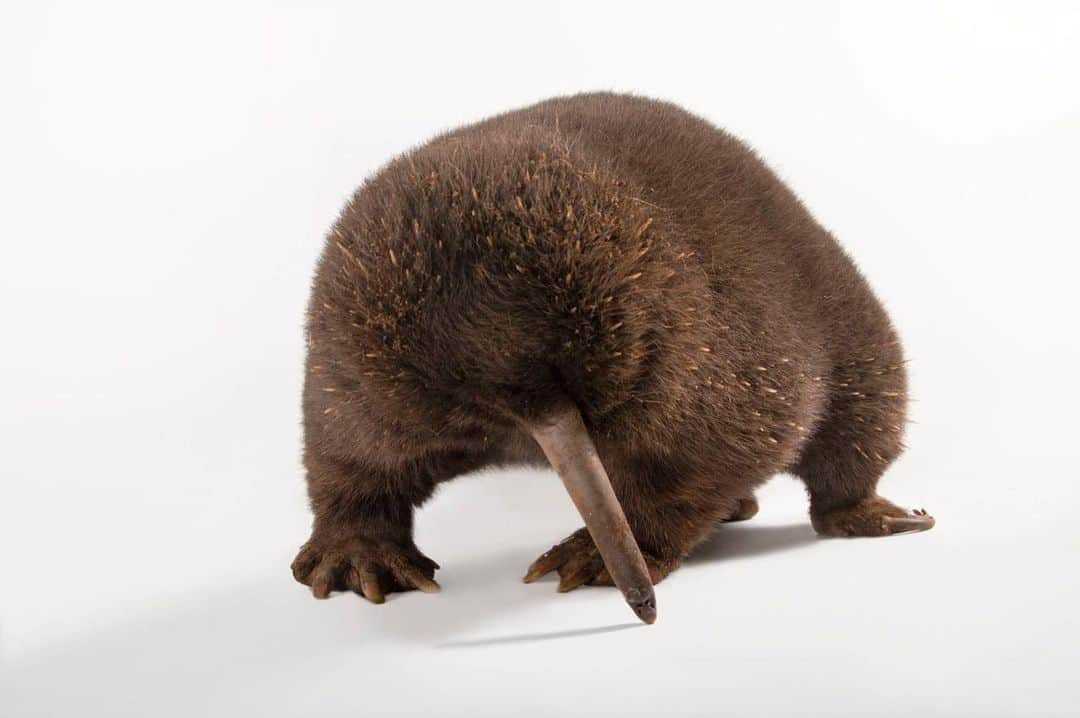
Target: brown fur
[{"x": 614, "y": 251}]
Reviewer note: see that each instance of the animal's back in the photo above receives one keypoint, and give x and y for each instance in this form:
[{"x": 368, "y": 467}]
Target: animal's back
[{"x": 753, "y": 235}]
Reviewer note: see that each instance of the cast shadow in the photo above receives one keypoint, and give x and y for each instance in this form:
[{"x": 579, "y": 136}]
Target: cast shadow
[
  {"x": 234, "y": 640},
  {"x": 535, "y": 637},
  {"x": 736, "y": 541}
]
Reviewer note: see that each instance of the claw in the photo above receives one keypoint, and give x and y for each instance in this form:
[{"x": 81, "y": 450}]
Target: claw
[
  {"x": 425, "y": 584},
  {"x": 363, "y": 580},
  {"x": 410, "y": 575},
  {"x": 569, "y": 583},
  {"x": 579, "y": 569},
  {"x": 302, "y": 566},
  {"x": 906, "y": 524},
  {"x": 372, "y": 590},
  {"x": 576, "y": 575},
  {"x": 544, "y": 565},
  {"x": 322, "y": 582}
]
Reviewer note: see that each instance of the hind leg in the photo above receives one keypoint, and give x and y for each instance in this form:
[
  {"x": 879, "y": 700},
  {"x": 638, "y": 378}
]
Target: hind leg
[{"x": 858, "y": 439}]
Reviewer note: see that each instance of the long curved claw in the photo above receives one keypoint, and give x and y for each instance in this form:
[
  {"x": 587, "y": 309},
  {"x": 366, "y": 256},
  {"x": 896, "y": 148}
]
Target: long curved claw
[
  {"x": 548, "y": 562},
  {"x": 918, "y": 521}
]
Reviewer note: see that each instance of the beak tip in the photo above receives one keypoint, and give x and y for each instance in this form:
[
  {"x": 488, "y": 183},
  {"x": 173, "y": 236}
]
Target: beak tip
[
  {"x": 644, "y": 608},
  {"x": 647, "y": 614}
]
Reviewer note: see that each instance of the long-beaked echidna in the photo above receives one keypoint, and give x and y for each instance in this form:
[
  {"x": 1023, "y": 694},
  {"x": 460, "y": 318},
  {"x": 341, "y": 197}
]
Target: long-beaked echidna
[{"x": 607, "y": 282}]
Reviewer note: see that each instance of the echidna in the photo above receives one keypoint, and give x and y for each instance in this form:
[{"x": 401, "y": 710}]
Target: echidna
[{"x": 612, "y": 284}]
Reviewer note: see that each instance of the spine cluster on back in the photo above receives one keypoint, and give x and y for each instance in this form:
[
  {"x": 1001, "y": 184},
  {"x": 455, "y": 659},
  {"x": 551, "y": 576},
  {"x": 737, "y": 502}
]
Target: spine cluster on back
[{"x": 504, "y": 276}]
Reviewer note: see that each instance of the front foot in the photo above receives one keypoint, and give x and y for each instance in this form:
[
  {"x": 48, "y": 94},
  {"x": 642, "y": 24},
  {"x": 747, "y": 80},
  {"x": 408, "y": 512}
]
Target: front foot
[
  {"x": 370, "y": 567},
  {"x": 873, "y": 516},
  {"x": 578, "y": 562}
]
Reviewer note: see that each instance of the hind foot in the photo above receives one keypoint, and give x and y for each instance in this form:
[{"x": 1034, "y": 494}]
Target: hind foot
[
  {"x": 578, "y": 562},
  {"x": 873, "y": 516},
  {"x": 747, "y": 509}
]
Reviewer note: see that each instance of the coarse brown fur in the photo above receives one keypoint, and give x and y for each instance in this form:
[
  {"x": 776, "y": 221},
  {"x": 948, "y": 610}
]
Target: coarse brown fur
[{"x": 618, "y": 253}]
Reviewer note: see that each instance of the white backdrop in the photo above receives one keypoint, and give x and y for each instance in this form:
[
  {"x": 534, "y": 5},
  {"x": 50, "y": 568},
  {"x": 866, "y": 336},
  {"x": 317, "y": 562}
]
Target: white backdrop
[{"x": 168, "y": 171}]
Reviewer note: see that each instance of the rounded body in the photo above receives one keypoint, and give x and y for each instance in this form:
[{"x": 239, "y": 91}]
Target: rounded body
[{"x": 616, "y": 252}]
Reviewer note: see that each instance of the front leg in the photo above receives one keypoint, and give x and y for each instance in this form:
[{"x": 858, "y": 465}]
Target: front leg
[
  {"x": 362, "y": 535},
  {"x": 669, "y": 509}
]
